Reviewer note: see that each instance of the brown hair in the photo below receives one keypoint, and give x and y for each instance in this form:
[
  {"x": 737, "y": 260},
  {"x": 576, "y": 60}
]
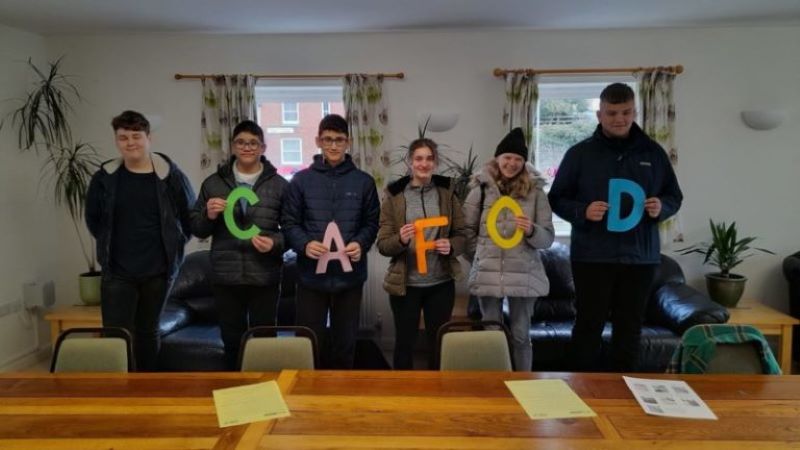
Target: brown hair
[
  {"x": 423, "y": 142},
  {"x": 131, "y": 120},
  {"x": 518, "y": 187}
]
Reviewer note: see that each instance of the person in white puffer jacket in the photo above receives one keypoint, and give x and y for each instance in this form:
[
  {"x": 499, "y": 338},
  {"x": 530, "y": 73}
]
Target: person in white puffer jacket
[{"x": 516, "y": 274}]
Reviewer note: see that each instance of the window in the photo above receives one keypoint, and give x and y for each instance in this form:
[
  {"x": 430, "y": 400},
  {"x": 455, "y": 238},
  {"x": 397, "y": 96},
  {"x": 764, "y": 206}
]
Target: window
[
  {"x": 280, "y": 101},
  {"x": 566, "y": 115},
  {"x": 290, "y": 113},
  {"x": 291, "y": 151},
  {"x": 326, "y": 108}
]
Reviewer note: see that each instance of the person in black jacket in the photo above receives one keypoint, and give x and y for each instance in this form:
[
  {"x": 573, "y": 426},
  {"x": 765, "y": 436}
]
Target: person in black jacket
[
  {"x": 137, "y": 208},
  {"x": 332, "y": 189},
  {"x": 613, "y": 271},
  {"x": 246, "y": 273}
]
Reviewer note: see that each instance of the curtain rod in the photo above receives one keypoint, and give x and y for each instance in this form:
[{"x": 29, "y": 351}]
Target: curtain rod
[
  {"x": 498, "y": 72},
  {"x": 180, "y": 76}
]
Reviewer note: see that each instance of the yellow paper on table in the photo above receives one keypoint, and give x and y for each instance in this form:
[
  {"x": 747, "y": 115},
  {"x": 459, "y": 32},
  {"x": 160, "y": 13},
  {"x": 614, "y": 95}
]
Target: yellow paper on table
[
  {"x": 548, "y": 399},
  {"x": 250, "y": 403}
]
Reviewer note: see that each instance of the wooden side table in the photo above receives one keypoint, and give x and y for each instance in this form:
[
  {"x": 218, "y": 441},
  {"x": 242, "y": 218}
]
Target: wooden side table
[
  {"x": 771, "y": 323},
  {"x": 72, "y": 317}
]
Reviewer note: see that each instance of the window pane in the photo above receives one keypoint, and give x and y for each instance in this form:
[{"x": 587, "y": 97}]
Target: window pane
[
  {"x": 291, "y": 151},
  {"x": 290, "y": 112}
]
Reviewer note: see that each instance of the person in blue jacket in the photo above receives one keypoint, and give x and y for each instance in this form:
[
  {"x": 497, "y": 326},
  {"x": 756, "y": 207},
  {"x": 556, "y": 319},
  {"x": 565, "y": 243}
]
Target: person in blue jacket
[
  {"x": 332, "y": 189},
  {"x": 613, "y": 271}
]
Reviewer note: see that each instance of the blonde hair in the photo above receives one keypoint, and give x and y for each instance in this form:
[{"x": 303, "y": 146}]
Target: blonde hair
[{"x": 518, "y": 187}]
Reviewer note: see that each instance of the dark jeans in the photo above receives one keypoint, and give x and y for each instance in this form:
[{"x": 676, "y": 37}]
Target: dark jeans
[
  {"x": 337, "y": 348},
  {"x": 618, "y": 292},
  {"x": 135, "y": 303},
  {"x": 241, "y": 307},
  {"x": 437, "y": 303}
]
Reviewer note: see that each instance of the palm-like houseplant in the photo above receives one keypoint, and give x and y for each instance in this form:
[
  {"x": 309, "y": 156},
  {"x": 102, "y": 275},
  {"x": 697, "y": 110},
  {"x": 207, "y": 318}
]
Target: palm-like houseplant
[
  {"x": 725, "y": 251},
  {"x": 41, "y": 123}
]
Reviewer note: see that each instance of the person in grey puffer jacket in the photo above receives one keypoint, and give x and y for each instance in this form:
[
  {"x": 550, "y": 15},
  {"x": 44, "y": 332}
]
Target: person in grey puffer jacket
[
  {"x": 517, "y": 273},
  {"x": 246, "y": 274}
]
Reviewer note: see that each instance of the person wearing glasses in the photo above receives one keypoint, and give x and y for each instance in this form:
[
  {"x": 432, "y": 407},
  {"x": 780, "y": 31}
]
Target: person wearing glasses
[
  {"x": 246, "y": 273},
  {"x": 137, "y": 209},
  {"x": 332, "y": 189}
]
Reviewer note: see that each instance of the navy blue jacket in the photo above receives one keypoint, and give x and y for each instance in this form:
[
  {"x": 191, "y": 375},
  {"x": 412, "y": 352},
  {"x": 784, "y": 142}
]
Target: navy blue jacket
[
  {"x": 175, "y": 199},
  {"x": 321, "y": 194},
  {"x": 583, "y": 178}
]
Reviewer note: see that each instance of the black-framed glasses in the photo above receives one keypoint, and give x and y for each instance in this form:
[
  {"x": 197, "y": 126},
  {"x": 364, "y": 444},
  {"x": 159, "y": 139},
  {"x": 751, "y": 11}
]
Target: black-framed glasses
[
  {"x": 328, "y": 141},
  {"x": 242, "y": 143}
]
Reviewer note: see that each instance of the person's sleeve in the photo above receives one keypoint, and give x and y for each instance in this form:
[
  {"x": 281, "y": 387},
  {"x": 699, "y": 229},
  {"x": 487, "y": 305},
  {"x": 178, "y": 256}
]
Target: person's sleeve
[
  {"x": 201, "y": 225},
  {"x": 92, "y": 211},
  {"x": 563, "y": 192},
  {"x": 543, "y": 231},
  {"x": 472, "y": 221},
  {"x": 458, "y": 229},
  {"x": 671, "y": 196},
  {"x": 388, "y": 242},
  {"x": 370, "y": 218},
  {"x": 185, "y": 200},
  {"x": 292, "y": 217},
  {"x": 278, "y": 238}
]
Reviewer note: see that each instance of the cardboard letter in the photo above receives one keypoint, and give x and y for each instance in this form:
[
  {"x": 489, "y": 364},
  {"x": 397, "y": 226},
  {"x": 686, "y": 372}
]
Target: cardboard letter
[
  {"x": 423, "y": 245},
  {"x": 617, "y": 187},
  {"x": 491, "y": 223},
  {"x": 230, "y": 222},
  {"x": 333, "y": 235}
]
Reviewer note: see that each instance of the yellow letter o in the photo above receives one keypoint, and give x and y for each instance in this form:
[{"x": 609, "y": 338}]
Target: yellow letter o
[{"x": 491, "y": 223}]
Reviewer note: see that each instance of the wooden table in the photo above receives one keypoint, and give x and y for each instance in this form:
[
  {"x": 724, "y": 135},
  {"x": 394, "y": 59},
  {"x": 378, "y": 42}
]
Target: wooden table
[
  {"x": 75, "y": 316},
  {"x": 770, "y": 322},
  {"x": 361, "y": 409}
]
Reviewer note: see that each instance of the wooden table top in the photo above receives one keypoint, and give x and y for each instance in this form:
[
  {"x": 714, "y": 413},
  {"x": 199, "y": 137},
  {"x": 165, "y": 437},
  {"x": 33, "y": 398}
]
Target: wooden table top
[{"x": 383, "y": 409}]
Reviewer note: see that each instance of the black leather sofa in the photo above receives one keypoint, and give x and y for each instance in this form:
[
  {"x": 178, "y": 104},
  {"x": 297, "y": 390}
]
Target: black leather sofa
[
  {"x": 673, "y": 307},
  {"x": 190, "y": 334},
  {"x": 791, "y": 270}
]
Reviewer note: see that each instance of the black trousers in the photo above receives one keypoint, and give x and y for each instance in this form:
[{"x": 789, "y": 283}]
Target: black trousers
[
  {"x": 241, "y": 307},
  {"x": 615, "y": 292},
  {"x": 135, "y": 303},
  {"x": 437, "y": 303},
  {"x": 337, "y": 348}
]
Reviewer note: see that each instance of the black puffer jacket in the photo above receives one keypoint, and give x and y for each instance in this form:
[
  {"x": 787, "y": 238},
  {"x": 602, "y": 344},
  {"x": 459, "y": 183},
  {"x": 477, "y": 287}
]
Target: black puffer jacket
[
  {"x": 319, "y": 195},
  {"x": 175, "y": 198},
  {"x": 236, "y": 261}
]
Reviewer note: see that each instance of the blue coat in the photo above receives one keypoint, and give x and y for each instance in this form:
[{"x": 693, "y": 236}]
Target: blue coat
[
  {"x": 321, "y": 194},
  {"x": 583, "y": 178}
]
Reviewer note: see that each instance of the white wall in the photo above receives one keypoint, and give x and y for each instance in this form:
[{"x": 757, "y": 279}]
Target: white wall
[
  {"x": 28, "y": 236},
  {"x": 727, "y": 171}
]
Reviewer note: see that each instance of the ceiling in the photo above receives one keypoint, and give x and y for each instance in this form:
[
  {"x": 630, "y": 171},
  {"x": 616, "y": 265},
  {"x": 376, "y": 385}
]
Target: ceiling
[{"x": 341, "y": 16}]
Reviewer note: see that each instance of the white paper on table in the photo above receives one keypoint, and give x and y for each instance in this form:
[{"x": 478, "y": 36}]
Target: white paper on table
[{"x": 668, "y": 398}]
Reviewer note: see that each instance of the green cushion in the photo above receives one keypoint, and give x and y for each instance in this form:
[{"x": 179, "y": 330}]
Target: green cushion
[
  {"x": 276, "y": 354},
  {"x": 82, "y": 354},
  {"x": 475, "y": 350}
]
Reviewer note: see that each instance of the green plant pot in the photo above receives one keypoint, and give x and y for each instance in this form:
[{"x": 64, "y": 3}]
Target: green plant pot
[
  {"x": 89, "y": 284},
  {"x": 725, "y": 290}
]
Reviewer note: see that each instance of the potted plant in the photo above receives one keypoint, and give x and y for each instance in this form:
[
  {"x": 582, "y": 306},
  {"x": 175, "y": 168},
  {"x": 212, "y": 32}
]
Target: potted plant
[
  {"x": 41, "y": 123},
  {"x": 726, "y": 251}
]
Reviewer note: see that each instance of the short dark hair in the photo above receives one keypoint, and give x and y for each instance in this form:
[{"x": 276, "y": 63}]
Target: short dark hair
[
  {"x": 131, "y": 120},
  {"x": 333, "y": 122},
  {"x": 423, "y": 142},
  {"x": 248, "y": 126},
  {"x": 617, "y": 93}
]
